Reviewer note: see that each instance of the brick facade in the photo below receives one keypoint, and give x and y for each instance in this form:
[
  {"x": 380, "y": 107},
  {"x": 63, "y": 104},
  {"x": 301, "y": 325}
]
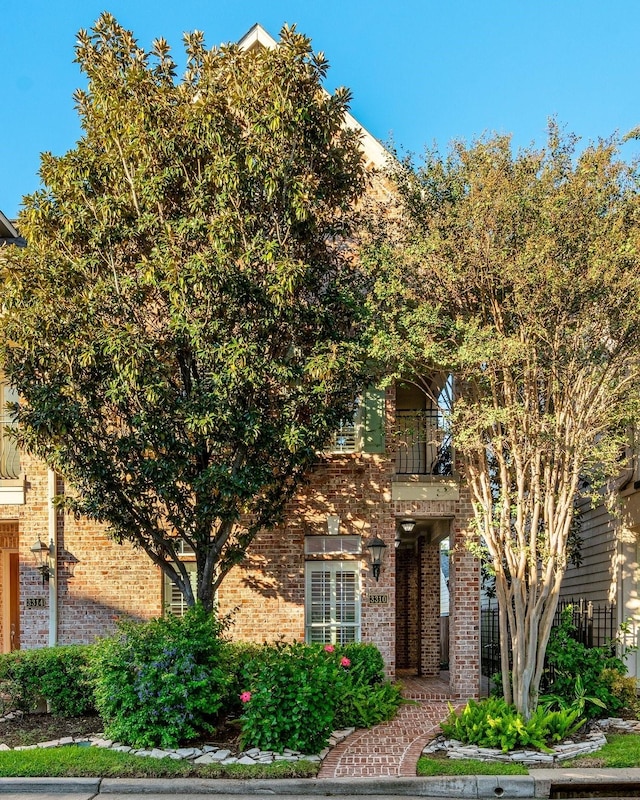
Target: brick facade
[{"x": 99, "y": 581}]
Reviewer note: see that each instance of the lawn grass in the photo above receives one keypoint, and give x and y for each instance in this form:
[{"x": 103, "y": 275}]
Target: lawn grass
[
  {"x": 88, "y": 762},
  {"x": 429, "y": 765},
  {"x": 621, "y": 750}
]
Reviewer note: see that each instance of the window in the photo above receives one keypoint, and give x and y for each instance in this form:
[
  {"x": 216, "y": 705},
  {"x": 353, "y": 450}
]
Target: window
[
  {"x": 172, "y": 599},
  {"x": 364, "y": 432},
  {"x": 316, "y": 545},
  {"x": 332, "y": 602}
]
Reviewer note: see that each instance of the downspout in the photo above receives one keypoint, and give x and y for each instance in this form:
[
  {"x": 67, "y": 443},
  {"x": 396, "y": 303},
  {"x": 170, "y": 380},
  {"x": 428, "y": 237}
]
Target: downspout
[{"x": 53, "y": 543}]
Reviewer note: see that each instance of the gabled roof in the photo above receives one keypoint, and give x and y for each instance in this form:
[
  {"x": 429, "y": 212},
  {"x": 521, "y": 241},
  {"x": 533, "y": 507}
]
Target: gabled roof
[
  {"x": 375, "y": 154},
  {"x": 8, "y": 233}
]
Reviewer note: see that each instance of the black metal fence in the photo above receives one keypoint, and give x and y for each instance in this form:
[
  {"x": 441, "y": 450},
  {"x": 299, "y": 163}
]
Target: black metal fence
[{"x": 595, "y": 627}]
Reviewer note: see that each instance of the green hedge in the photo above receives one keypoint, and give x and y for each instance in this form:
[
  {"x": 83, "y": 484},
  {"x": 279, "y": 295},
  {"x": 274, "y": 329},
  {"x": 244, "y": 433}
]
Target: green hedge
[{"x": 59, "y": 675}]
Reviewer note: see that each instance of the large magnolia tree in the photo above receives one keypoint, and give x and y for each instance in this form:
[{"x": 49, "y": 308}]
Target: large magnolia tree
[
  {"x": 183, "y": 326},
  {"x": 520, "y": 275}
]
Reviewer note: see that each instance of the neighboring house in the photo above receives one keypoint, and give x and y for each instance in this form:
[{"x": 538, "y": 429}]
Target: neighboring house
[
  {"x": 609, "y": 572},
  {"x": 388, "y": 476}
]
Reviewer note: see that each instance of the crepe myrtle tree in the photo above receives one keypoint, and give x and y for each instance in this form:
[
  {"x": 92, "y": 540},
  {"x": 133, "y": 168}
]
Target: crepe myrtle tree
[
  {"x": 184, "y": 326},
  {"x": 519, "y": 274}
]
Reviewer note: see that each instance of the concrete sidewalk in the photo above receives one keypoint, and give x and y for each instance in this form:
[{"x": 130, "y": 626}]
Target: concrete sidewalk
[{"x": 537, "y": 784}]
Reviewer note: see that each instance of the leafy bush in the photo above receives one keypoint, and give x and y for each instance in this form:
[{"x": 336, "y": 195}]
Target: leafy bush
[
  {"x": 59, "y": 675},
  {"x": 361, "y": 705},
  {"x": 160, "y": 682},
  {"x": 291, "y": 702},
  {"x": 493, "y": 723},
  {"x": 623, "y": 688},
  {"x": 296, "y": 695},
  {"x": 366, "y": 659},
  {"x": 580, "y": 673}
]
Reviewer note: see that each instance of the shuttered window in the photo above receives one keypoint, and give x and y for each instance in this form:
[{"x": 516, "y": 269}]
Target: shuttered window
[
  {"x": 364, "y": 432},
  {"x": 332, "y": 602},
  {"x": 173, "y": 601}
]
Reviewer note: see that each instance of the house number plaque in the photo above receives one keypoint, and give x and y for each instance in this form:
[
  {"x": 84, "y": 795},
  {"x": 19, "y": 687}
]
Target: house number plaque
[
  {"x": 37, "y": 602},
  {"x": 378, "y": 599}
]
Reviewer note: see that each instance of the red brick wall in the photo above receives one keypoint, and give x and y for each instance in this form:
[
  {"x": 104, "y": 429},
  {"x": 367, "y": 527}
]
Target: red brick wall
[
  {"x": 265, "y": 595},
  {"x": 429, "y": 557},
  {"x": 100, "y": 581}
]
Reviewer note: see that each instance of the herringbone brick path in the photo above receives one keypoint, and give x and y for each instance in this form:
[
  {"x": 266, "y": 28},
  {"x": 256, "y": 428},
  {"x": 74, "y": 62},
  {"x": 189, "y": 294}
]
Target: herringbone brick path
[{"x": 393, "y": 748}]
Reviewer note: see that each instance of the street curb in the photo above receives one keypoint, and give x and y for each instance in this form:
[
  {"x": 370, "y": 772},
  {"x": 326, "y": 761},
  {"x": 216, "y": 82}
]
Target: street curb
[
  {"x": 50, "y": 785},
  {"x": 468, "y": 786}
]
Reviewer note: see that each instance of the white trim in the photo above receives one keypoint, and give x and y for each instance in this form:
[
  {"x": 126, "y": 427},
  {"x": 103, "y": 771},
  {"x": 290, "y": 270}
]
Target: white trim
[
  {"x": 12, "y": 493},
  {"x": 5, "y": 570},
  {"x": 11, "y": 232}
]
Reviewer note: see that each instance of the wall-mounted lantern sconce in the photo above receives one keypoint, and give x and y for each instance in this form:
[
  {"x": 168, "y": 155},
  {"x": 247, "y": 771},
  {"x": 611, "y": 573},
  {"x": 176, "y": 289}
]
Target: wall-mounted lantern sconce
[
  {"x": 333, "y": 524},
  {"x": 44, "y": 559},
  {"x": 376, "y": 548}
]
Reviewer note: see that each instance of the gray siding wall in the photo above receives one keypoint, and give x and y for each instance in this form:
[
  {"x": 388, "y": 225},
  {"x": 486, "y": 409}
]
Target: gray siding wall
[{"x": 595, "y": 579}]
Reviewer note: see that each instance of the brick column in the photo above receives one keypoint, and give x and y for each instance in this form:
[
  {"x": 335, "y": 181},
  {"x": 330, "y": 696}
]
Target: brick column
[
  {"x": 464, "y": 636},
  {"x": 429, "y": 560}
]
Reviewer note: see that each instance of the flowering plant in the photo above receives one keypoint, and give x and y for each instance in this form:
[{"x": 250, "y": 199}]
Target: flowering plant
[{"x": 245, "y": 697}]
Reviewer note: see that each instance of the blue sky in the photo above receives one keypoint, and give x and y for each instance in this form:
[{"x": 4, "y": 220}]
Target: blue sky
[{"x": 422, "y": 72}]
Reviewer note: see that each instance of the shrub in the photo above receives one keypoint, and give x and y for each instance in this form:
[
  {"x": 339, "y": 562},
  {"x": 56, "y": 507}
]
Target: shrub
[
  {"x": 493, "y": 723},
  {"x": 361, "y": 705},
  {"x": 291, "y": 700},
  {"x": 59, "y": 675},
  {"x": 160, "y": 682},
  {"x": 296, "y": 695},
  {"x": 623, "y": 688},
  {"x": 580, "y": 673}
]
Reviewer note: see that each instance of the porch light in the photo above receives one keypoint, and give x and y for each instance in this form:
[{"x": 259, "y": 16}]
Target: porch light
[
  {"x": 43, "y": 555},
  {"x": 408, "y": 525},
  {"x": 376, "y": 548}
]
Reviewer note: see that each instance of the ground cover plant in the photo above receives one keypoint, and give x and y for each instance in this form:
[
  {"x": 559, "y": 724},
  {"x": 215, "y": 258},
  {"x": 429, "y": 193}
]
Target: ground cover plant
[{"x": 494, "y": 723}]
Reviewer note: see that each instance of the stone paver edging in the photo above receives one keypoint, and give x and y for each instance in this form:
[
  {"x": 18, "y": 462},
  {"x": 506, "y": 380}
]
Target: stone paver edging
[{"x": 207, "y": 754}]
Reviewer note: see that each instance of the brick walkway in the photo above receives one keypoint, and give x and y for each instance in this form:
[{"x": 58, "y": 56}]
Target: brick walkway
[{"x": 393, "y": 748}]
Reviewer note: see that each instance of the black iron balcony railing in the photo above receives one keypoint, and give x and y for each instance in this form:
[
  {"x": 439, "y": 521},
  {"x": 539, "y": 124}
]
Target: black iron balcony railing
[
  {"x": 9, "y": 454},
  {"x": 423, "y": 443}
]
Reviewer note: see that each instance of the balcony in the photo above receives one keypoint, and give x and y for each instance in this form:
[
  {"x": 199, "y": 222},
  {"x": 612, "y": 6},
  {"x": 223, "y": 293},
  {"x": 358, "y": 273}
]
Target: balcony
[
  {"x": 423, "y": 443},
  {"x": 11, "y": 479},
  {"x": 9, "y": 455}
]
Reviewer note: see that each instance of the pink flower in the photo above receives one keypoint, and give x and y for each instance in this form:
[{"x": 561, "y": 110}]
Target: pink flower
[
  {"x": 245, "y": 697},
  {"x": 329, "y": 648},
  {"x": 344, "y": 662}
]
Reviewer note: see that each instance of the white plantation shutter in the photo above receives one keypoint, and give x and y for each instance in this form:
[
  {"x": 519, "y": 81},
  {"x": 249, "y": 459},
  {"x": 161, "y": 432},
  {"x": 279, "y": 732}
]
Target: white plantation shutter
[
  {"x": 332, "y": 602},
  {"x": 173, "y": 601}
]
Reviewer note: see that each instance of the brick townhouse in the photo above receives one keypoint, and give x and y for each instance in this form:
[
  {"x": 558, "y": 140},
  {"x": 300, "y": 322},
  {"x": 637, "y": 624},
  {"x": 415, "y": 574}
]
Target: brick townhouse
[{"x": 387, "y": 478}]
